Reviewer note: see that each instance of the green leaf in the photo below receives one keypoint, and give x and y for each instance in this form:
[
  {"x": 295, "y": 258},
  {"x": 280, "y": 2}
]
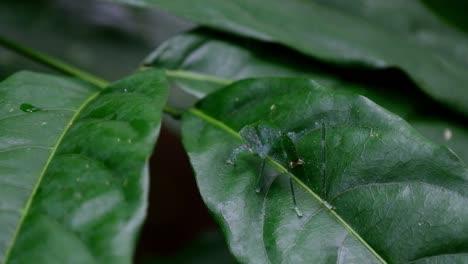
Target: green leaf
[
  {"x": 374, "y": 191},
  {"x": 196, "y": 62},
  {"x": 73, "y": 174},
  {"x": 403, "y": 34}
]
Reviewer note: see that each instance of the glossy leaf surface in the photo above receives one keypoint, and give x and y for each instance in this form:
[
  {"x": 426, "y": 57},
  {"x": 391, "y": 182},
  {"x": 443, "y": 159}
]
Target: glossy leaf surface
[
  {"x": 377, "y": 34},
  {"x": 196, "y": 62},
  {"x": 396, "y": 197},
  {"x": 73, "y": 174}
]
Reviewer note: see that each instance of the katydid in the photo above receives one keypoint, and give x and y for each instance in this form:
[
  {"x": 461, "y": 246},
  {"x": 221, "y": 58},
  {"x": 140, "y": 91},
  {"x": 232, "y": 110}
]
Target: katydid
[{"x": 265, "y": 140}]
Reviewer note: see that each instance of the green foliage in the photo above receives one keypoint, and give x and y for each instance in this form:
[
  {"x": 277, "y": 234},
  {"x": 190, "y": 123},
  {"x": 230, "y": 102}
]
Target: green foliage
[
  {"x": 73, "y": 171},
  {"x": 403, "y": 34},
  {"x": 281, "y": 83},
  {"x": 395, "y": 195}
]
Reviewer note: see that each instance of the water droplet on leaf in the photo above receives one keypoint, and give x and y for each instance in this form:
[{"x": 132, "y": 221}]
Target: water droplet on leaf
[
  {"x": 447, "y": 134},
  {"x": 29, "y": 108},
  {"x": 328, "y": 205}
]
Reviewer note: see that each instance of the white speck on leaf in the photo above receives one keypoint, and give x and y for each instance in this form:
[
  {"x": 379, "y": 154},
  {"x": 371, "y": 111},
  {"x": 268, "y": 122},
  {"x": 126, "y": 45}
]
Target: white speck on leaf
[{"x": 447, "y": 134}]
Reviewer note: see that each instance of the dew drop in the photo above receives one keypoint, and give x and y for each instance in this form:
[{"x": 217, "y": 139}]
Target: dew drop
[
  {"x": 87, "y": 166},
  {"x": 125, "y": 90},
  {"x": 118, "y": 139},
  {"x": 29, "y": 108},
  {"x": 11, "y": 110},
  {"x": 129, "y": 140},
  {"x": 328, "y": 206},
  {"x": 43, "y": 123},
  {"x": 447, "y": 134},
  {"x": 236, "y": 99},
  {"x": 78, "y": 179},
  {"x": 272, "y": 107}
]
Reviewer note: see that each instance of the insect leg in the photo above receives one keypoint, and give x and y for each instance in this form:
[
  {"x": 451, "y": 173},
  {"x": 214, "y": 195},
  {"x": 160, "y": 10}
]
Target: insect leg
[
  {"x": 324, "y": 160},
  {"x": 298, "y": 212},
  {"x": 258, "y": 187},
  {"x": 233, "y": 157}
]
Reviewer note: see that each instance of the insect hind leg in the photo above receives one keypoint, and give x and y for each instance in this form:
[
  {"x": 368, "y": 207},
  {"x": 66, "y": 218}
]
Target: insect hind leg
[
  {"x": 298, "y": 212},
  {"x": 258, "y": 186}
]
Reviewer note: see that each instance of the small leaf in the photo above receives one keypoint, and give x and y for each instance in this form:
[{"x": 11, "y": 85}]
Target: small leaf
[
  {"x": 388, "y": 194},
  {"x": 73, "y": 175}
]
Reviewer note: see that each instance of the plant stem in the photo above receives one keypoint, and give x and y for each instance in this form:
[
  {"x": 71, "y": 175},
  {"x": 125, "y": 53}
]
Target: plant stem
[
  {"x": 52, "y": 63},
  {"x": 69, "y": 70},
  {"x": 173, "y": 112}
]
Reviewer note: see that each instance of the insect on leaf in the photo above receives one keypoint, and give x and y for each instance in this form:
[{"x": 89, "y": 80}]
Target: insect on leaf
[{"x": 374, "y": 190}]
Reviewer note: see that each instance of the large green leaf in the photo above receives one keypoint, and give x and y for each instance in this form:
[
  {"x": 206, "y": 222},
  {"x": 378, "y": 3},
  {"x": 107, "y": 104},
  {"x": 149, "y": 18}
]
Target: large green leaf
[
  {"x": 196, "y": 62},
  {"x": 73, "y": 174},
  {"x": 394, "y": 195},
  {"x": 379, "y": 34},
  {"x": 202, "y": 61}
]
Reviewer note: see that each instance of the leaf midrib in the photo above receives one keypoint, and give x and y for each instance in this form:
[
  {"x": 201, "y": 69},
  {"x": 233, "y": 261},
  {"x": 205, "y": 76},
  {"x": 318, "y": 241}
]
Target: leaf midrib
[
  {"x": 200, "y": 114},
  {"x": 43, "y": 172}
]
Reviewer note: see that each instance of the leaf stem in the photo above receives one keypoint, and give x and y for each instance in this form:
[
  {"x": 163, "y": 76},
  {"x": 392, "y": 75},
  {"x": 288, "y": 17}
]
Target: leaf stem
[
  {"x": 175, "y": 113},
  {"x": 191, "y": 75},
  {"x": 52, "y": 62},
  {"x": 68, "y": 69},
  {"x": 197, "y": 76}
]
